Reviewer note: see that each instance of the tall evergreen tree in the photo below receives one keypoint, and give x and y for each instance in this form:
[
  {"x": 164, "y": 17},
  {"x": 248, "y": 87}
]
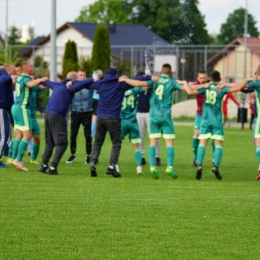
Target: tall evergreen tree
[
  {"x": 100, "y": 58},
  {"x": 70, "y": 58},
  {"x": 14, "y": 36}
]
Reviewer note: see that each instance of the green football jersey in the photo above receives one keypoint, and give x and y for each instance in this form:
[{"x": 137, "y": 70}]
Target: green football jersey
[
  {"x": 21, "y": 90},
  {"x": 162, "y": 95},
  {"x": 256, "y": 86},
  {"x": 129, "y": 104},
  {"x": 32, "y": 100},
  {"x": 212, "y": 105}
]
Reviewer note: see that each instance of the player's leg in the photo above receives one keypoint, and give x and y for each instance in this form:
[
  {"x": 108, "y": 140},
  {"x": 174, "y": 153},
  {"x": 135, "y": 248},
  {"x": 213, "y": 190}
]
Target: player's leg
[
  {"x": 195, "y": 139},
  {"x": 4, "y": 133},
  {"x": 25, "y": 126},
  {"x": 36, "y": 141},
  {"x": 143, "y": 123},
  {"x": 218, "y": 137},
  {"x": 155, "y": 133},
  {"x": 134, "y": 136},
  {"x": 256, "y": 134},
  {"x": 168, "y": 134},
  {"x": 58, "y": 127},
  {"x": 86, "y": 122},
  {"x": 114, "y": 129},
  {"x": 74, "y": 129},
  {"x": 49, "y": 143}
]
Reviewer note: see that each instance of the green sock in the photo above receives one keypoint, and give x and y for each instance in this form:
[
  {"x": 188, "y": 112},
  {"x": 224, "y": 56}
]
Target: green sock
[
  {"x": 35, "y": 151},
  {"x": 218, "y": 155},
  {"x": 21, "y": 149},
  {"x": 170, "y": 155},
  {"x": 213, "y": 147},
  {"x": 257, "y": 151},
  {"x": 10, "y": 149},
  {"x": 16, "y": 143},
  {"x": 152, "y": 155},
  {"x": 195, "y": 144},
  {"x": 138, "y": 157},
  {"x": 201, "y": 154}
]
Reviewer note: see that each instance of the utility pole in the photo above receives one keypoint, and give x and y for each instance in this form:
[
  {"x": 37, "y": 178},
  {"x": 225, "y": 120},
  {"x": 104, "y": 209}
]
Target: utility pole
[
  {"x": 242, "y": 111},
  {"x": 53, "y": 65}
]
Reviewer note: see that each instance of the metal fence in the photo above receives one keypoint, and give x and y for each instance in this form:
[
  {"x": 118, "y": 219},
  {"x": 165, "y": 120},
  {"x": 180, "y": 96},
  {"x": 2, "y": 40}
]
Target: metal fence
[{"x": 232, "y": 61}]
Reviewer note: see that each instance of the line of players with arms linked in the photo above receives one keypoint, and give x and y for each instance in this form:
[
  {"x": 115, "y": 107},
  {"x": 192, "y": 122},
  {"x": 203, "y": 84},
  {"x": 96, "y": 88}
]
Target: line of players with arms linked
[{"x": 116, "y": 114}]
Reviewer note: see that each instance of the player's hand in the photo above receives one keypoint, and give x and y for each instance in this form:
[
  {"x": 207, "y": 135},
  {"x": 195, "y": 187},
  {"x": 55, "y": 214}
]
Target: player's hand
[
  {"x": 252, "y": 79},
  {"x": 43, "y": 79},
  {"x": 220, "y": 86},
  {"x": 68, "y": 84},
  {"x": 155, "y": 79},
  {"x": 13, "y": 77}
]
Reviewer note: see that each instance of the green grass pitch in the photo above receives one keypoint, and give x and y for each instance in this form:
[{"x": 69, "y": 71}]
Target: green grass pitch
[{"x": 74, "y": 216}]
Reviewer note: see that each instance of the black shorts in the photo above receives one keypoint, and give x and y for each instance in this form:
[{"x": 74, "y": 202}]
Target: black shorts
[{"x": 94, "y": 106}]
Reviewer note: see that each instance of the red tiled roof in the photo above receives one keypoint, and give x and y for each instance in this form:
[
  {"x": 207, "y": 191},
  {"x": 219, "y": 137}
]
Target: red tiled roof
[{"x": 253, "y": 45}]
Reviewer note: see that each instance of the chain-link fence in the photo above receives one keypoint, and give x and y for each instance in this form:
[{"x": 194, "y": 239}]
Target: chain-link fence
[{"x": 232, "y": 61}]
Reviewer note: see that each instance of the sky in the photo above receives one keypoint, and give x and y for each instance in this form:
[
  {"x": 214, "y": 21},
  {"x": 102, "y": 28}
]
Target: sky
[{"x": 26, "y": 12}]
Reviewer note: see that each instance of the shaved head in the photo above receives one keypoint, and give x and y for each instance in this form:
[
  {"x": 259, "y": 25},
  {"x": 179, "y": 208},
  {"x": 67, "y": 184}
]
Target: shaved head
[
  {"x": 10, "y": 69},
  {"x": 72, "y": 75}
]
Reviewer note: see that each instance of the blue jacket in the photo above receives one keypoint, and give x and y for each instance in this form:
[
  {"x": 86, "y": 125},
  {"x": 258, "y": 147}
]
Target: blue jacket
[
  {"x": 82, "y": 101},
  {"x": 111, "y": 93},
  {"x": 62, "y": 96},
  {"x": 6, "y": 91}
]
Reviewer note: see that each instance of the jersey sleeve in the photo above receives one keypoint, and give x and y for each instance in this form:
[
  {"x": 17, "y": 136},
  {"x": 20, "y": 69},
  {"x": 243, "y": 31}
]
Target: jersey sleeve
[
  {"x": 225, "y": 90},
  {"x": 26, "y": 80},
  {"x": 201, "y": 91},
  {"x": 252, "y": 84},
  {"x": 149, "y": 83},
  {"x": 177, "y": 86}
]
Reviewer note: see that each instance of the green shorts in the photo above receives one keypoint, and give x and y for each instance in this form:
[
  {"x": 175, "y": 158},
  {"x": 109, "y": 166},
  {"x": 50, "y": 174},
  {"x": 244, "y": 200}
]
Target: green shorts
[
  {"x": 256, "y": 132},
  {"x": 211, "y": 129},
  {"x": 197, "y": 122},
  {"x": 130, "y": 126},
  {"x": 161, "y": 127},
  {"x": 35, "y": 127},
  {"x": 22, "y": 117}
]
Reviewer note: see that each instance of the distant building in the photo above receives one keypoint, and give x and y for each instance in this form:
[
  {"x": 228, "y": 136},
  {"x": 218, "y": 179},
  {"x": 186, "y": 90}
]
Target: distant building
[
  {"x": 128, "y": 42},
  {"x": 231, "y": 63}
]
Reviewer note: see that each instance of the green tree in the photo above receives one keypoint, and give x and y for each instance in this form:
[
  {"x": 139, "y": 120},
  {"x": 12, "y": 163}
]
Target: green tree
[
  {"x": 100, "y": 58},
  {"x": 234, "y": 27},
  {"x": 14, "y": 36},
  {"x": 70, "y": 58},
  {"x": 85, "y": 63},
  {"x": 174, "y": 20},
  {"x": 106, "y": 11}
]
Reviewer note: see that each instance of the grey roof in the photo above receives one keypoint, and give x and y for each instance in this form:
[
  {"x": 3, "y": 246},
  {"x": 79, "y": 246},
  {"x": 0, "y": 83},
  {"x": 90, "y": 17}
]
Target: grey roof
[
  {"x": 125, "y": 34},
  {"x": 36, "y": 41}
]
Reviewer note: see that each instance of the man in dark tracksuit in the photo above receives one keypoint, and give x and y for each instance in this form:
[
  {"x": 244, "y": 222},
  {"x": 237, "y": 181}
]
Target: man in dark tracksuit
[
  {"x": 55, "y": 122},
  {"x": 111, "y": 94},
  {"x": 6, "y": 102}
]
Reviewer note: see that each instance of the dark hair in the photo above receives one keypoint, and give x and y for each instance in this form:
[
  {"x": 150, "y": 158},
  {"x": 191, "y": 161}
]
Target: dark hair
[
  {"x": 17, "y": 64},
  {"x": 201, "y": 72},
  {"x": 166, "y": 69},
  {"x": 81, "y": 70},
  {"x": 140, "y": 73},
  {"x": 59, "y": 76},
  {"x": 215, "y": 75}
]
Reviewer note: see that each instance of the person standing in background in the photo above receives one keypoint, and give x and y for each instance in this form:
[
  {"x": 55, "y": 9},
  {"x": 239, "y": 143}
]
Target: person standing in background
[{"x": 81, "y": 113}]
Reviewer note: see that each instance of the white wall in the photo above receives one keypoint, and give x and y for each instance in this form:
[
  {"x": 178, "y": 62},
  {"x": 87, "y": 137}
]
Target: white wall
[{"x": 84, "y": 46}]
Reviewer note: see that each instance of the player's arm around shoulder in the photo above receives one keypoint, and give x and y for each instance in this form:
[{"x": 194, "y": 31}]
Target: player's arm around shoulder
[
  {"x": 132, "y": 82},
  {"x": 238, "y": 86},
  {"x": 36, "y": 82},
  {"x": 186, "y": 87}
]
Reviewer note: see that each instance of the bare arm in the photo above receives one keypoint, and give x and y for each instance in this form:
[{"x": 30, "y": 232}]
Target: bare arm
[
  {"x": 238, "y": 86},
  {"x": 132, "y": 82},
  {"x": 186, "y": 87},
  {"x": 199, "y": 86},
  {"x": 36, "y": 82}
]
